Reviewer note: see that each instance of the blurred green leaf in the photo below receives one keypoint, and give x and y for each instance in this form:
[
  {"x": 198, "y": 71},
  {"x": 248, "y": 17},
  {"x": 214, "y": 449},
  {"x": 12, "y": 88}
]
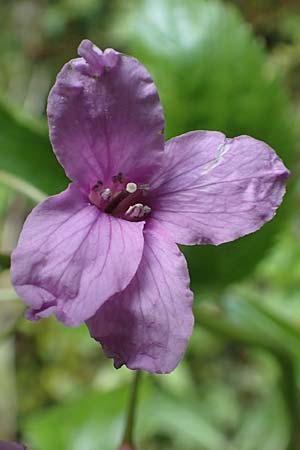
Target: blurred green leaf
[
  {"x": 265, "y": 324},
  {"x": 244, "y": 319},
  {"x": 281, "y": 269},
  {"x": 184, "y": 421},
  {"x": 19, "y": 185},
  {"x": 211, "y": 74},
  {"x": 264, "y": 427},
  {"x": 91, "y": 421},
  {"x": 8, "y": 295},
  {"x": 25, "y": 151},
  {"x": 4, "y": 261},
  {"x": 94, "y": 420}
]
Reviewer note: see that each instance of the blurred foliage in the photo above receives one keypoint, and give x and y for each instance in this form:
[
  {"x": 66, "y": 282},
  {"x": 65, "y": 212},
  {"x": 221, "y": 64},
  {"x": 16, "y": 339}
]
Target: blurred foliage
[
  {"x": 26, "y": 152},
  {"x": 238, "y": 387}
]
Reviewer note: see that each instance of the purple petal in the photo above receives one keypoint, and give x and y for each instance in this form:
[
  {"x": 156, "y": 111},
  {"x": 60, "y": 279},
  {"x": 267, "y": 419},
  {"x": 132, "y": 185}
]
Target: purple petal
[
  {"x": 4, "y": 445},
  {"x": 97, "y": 60},
  {"x": 71, "y": 258},
  {"x": 105, "y": 117},
  {"x": 215, "y": 190},
  {"x": 148, "y": 325}
]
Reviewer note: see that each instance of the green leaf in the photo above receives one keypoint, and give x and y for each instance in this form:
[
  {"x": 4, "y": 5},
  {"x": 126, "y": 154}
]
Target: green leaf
[
  {"x": 212, "y": 74},
  {"x": 93, "y": 420},
  {"x": 90, "y": 421},
  {"x": 4, "y": 261},
  {"x": 265, "y": 426},
  {"x": 25, "y": 151},
  {"x": 19, "y": 185},
  {"x": 255, "y": 316},
  {"x": 183, "y": 421},
  {"x": 246, "y": 320},
  {"x": 8, "y": 295}
]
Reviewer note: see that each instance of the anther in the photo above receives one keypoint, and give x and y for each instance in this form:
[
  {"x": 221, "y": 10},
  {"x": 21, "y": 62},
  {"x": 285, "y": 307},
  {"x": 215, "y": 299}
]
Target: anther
[
  {"x": 131, "y": 188},
  {"x": 138, "y": 210},
  {"x": 106, "y": 194},
  {"x": 135, "y": 210},
  {"x": 97, "y": 186},
  {"x": 118, "y": 178}
]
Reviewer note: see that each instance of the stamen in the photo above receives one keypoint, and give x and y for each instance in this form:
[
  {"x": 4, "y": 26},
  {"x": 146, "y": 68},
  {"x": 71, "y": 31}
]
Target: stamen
[
  {"x": 135, "y": 210},
  {"x": 97, "y": 186},
  {"x": 120, "y": 177},
  {"x": 138, "y": 210},
  {"x": 131, "y": 188},
  {"x": 120, "y": 198},
  {"x": 106, "y": 194}
]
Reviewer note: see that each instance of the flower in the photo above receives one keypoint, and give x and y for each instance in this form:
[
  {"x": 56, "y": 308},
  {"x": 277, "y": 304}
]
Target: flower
[
  {"x": 105, "y": 250},
  {"x": 4, "y": 445}
]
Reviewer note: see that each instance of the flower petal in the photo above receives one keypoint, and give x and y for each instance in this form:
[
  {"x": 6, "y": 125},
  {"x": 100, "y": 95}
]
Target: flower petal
[
  {"x": 215, "y": 190},
  {"x": 4, "y": 445},
  {"x": 71, "y": 258},
  {"x": 148, "y": 325},
  {"x": 105, "y": 117}
]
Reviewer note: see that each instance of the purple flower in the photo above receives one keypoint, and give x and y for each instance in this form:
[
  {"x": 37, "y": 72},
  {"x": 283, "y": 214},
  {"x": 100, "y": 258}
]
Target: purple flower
[
  {"x": 4, "y": 445},
  {"x": 105, "y": 250}
]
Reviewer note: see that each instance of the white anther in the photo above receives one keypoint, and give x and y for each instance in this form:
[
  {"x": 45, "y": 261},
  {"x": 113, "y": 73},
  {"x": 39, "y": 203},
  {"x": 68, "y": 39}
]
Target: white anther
[
  {"x": 106, "y": 194},
  {"x": 138, "y": 210},
  {"x": 129, "y": 210},
  {"x": 131, "y": 188}
]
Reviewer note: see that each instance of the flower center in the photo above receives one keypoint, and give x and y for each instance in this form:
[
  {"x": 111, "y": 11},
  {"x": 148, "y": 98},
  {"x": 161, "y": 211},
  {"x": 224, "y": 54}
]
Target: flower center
[{"x": 121, "y": 198}]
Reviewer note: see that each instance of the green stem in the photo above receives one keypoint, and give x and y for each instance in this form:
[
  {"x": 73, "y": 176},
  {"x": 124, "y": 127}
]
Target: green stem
[
  {"x": 291, "y": 396},
  {"x": 130, "y": 420}
]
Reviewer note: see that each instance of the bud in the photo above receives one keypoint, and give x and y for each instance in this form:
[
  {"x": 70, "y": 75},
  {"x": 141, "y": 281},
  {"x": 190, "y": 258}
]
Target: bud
[{"x": 11, "y": 446}]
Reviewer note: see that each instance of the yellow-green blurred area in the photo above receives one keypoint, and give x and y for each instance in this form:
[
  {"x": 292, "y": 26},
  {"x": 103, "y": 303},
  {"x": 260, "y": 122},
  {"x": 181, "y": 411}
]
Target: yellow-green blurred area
[{"x": 232, "y": 66}]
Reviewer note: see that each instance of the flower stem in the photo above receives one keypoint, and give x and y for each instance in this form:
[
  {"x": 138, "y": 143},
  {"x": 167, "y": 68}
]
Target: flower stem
[
  {"x": 291, "y": 395},
  {"x": 131, "y": 413}
]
